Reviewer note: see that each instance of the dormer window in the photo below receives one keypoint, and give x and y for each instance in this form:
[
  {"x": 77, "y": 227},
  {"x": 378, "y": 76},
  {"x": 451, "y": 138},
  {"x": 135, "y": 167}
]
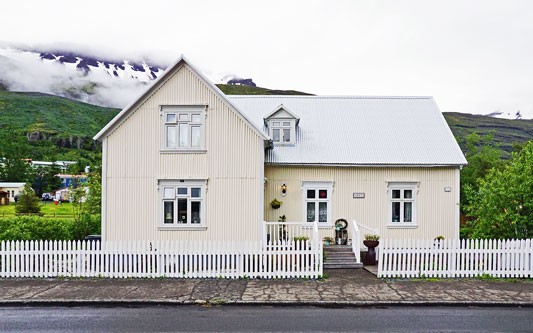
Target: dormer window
[
  {"x": 282, "y": 131},
  {"x": 281, "y": 124}
]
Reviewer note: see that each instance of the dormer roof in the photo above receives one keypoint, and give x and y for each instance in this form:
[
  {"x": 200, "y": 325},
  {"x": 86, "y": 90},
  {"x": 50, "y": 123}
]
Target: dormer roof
[{"x": 281, "y": 111}]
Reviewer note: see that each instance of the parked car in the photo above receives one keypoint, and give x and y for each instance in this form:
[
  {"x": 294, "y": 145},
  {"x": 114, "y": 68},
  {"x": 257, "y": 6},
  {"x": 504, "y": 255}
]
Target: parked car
[{"x": 48, "y": 197}]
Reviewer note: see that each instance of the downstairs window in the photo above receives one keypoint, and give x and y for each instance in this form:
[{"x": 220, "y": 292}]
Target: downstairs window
[
  {"x": 182, "y": 203},
  {"x": 402, "y": 204}
]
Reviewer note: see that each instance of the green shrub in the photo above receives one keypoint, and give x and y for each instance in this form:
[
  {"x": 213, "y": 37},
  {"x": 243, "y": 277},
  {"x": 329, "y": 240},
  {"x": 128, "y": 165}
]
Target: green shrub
[{"x": 41, "y": 228}]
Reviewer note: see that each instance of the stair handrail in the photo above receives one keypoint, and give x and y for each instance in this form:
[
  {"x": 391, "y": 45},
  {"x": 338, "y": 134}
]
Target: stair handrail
[
  {"x": 372, "y": 230},
  {"x": 356, "y": 241}
]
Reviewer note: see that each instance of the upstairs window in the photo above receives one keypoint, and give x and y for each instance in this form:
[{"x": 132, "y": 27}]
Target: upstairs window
[
  {"x": 402, "y": 204},
  {"x": 282, "y": 131},
  {"x": 281, "y": 124},
  {"x": 184, "y": 128}
]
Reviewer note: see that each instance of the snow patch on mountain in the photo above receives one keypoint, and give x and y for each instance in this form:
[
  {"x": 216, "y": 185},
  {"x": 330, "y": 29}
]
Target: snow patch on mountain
[{"x": 91, "y": 80}]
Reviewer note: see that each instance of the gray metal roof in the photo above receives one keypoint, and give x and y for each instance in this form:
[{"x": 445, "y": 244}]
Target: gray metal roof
[
  {"x": 359, "y": 130},
  {"x": 11, "y": 184}
]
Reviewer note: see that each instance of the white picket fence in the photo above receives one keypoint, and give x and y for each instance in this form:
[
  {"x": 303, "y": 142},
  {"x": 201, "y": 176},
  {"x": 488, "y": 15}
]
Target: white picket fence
[
  {"x": 456, "y": 258},
  {"x": 173, "y": 259}
]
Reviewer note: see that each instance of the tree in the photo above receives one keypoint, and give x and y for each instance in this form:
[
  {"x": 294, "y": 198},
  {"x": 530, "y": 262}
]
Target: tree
[
  {"x": 94, "y": 192},
  {"x": 501, "y": 203},
  {"x": 13, "y": 151},
  {"x": 28, "y": 202},
  {"x": 78, "y": 197},
  {"x": 482, "y": 155},
  {"x": 45, "y": 179}
]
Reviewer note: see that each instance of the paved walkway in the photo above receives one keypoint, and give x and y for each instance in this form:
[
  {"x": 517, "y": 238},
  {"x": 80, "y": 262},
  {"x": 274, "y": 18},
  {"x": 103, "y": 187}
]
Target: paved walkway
[{"x": 349, "y": 287}]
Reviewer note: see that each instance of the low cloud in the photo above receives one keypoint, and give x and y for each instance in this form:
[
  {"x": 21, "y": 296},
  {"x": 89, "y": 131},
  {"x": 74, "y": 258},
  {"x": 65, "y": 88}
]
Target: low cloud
[{"x": 26, "y": 71}]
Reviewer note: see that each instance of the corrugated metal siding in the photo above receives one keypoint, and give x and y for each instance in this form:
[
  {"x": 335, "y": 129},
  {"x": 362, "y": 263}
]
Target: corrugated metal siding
[
  {"x": 359, "y": 130},
  {"x": 436, "y": 209},
  {"x": 232, "y": 165}
]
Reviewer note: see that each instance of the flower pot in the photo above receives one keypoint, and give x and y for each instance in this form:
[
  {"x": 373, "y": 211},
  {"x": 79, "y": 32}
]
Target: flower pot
[
  {"x": 371, "y": 243},
  {"x": 276, "y": 206},
  {"x": 371, "y": 254}
]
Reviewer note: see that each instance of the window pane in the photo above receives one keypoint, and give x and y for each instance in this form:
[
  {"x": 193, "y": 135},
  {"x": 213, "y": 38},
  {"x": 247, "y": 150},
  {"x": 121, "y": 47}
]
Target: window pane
[
  {"x": 275, "y": 123},
  {"x": 286, "y": 123},
  {"x": 195, "y": 118},
  {"x": 310, "y": 212},
  {"x": 183, "y": 116},
  {"x": 195, "y": 212},
  {"x": 169, "y": 212},
  {"x": 408, "y": 212},
  {"x": 396, "y": 194},
  {"x": 182, "y": 190},
  {"x": 171, "y": 118},
  {"x": 310, "y": 194},
  {"x": 168, "y": 193},
  {"x": 275, "y": 134},
  {"x": 195, "y": 136},
  {"x": 286, "y": 135},
  {"x": 171, "y": 136},
  {"x": 323, "y": 194},
  {"x": 322, "y": 212},
  {"x": 195, "y": 192},
  {"x": 182, "y": 211},
  {"x": 184, "y": 130},
  {"x": 395, "y": 212},
  {"x": 407, "y": 194}
]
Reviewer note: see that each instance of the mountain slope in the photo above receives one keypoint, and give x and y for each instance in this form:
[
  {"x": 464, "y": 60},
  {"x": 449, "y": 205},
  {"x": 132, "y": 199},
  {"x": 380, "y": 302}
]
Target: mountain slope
[
  {"x": 506, "y": 132},
  {"x": 230, "y": 89},
  {"x": 51, "y": 115}
]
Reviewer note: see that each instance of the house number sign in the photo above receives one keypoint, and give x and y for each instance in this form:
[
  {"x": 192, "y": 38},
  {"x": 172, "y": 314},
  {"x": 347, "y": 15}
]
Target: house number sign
[{"x": 358, "y": 195}]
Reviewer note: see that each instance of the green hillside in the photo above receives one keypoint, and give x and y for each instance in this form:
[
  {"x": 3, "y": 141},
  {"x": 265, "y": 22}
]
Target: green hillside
[
  {"x": 506, "y": 132},
  {"x": 230, "y": 89},
  {"x": 51, "y": 115}
]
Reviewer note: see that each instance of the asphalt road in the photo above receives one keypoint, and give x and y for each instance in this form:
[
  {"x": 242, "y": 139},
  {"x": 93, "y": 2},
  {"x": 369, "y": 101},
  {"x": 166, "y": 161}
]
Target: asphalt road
[{"x": 265, "y": 318}]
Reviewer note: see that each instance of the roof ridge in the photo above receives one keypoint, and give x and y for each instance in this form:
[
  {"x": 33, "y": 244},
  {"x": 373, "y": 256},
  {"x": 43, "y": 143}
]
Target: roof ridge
[{"x": 330, "y": 96}]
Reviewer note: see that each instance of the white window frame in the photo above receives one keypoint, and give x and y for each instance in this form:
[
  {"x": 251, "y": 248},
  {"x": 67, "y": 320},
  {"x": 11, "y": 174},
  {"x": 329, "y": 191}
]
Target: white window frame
[
  {"x": 174, "y": 185},
  {"x": 291, "y": 127},
  {"x": 402, "y": 186},
  {"x": 317, "y": 185},
  {"x": 187, "y": 112}
]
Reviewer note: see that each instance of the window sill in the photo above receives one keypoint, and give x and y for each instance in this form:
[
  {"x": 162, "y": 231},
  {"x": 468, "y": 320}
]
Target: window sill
[
  {"x": 198, "y": 228},
  {"x": 402, "y": 226},
  {"x": 183, "y": 151},
  {"x": 310, "y": 226}
]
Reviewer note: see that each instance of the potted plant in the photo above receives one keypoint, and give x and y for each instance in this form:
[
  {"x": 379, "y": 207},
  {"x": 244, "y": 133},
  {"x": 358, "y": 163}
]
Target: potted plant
[
  {"x": 371, "y": 241},
  {"x": 275, "y": 203},
  {"x": 328, "y": 240}
]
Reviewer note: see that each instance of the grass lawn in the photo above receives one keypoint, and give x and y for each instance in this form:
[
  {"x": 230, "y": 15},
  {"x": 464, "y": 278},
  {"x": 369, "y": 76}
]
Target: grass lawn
[{"x": 47, "y": 208}]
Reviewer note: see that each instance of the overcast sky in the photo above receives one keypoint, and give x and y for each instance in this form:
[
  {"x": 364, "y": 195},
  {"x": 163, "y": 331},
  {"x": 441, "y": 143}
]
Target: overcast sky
[{"x": 472, "y": 56}]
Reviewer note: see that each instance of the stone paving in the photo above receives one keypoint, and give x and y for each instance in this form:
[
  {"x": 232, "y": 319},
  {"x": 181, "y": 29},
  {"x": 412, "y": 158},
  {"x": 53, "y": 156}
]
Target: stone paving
[{"x": 342, "y": 287}]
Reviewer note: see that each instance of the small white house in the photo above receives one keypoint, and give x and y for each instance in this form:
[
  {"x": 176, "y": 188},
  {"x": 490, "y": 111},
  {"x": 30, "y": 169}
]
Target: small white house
[
  {"x": 185, "y": 161},
  {"x": 12, "y": 189}
]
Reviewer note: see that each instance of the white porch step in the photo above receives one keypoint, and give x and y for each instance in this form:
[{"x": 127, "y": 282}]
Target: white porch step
[{"x": 340, "y": 257}]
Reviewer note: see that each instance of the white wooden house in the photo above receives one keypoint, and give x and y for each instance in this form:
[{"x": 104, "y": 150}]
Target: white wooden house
[{"x": 185, "y": 161}]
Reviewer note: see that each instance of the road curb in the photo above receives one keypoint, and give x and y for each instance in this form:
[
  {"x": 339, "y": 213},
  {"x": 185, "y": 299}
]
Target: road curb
[{"x": 331, "y": 304}]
